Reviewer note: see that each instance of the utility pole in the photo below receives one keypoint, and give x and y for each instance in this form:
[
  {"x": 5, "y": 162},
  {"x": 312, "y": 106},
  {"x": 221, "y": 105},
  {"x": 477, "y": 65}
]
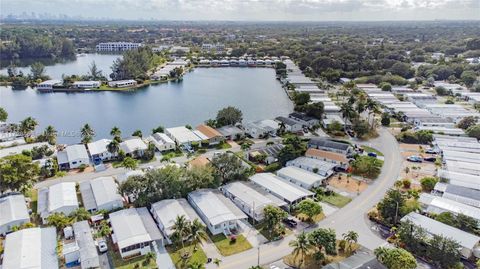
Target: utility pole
[
  {"x": 258, "y": 255},
  {"x": 396, "y": 212}
]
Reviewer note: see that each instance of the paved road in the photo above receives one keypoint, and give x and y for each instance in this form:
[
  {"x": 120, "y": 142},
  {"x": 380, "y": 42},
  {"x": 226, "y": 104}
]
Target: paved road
[{"x": 350, "y": 217}]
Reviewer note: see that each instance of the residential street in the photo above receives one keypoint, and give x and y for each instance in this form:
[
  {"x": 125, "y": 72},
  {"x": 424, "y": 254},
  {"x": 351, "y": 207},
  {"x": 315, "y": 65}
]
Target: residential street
[{"x": 351, "y": 217}]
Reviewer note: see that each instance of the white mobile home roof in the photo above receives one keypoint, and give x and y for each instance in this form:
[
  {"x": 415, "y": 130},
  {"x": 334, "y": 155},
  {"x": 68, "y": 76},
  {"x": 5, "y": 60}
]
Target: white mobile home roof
[
  {"x": 31, "y": 248},
  {"x": 460, "y": 179},
  {"x": 324, "y": 168},
  {"x": 300, "y": 175},
  {"x": 213, "y": 208},
  {"x": 62, "y": 194},
  {"x": 86, "y": 244},
  {"x": 441, "y": 129},
  {"x": 461, "y": 156},
  {"x": 13, "y": 208},
  {"x": 99, "y": 146},
  {"x": 446, "y": 138},
  {"x": 437, "y": 205},
  {"x": 98, "y": 192},
  {"x": 183, "y": 135},
  {"x": 128, "y": 228},
  {"x": 4, "y": 152},
  {"x": 434, "y": 227},
  {"x": 75, "y": 152},
  {"x": 460, "y": 194},
  {"x": 287, "y": 191},
  {"x": 463, "y": 167},
  {"x": 132, "y": 144},
  {"x": 167, "y": 211},
  {"x": 251, "y": 196}
]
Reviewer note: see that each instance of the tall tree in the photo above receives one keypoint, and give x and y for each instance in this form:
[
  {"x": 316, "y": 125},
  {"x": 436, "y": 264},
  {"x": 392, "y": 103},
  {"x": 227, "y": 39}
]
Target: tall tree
[
  {"x": 87, "y": 134},
  {"x": 390, "y": 206},
  {"x": 273, "y": 217},
  {"x": 324, "y": 240},
  {"x": 301, "y": 246},
  {"x": 197, "y": 233},
  {"x": 230, "y": 168},
  {"x": 395, "y": 258},
  {"x": 115, "y": 132},
  {"x": 27, "y": 126},
  {"x": 181, "y": 230},
  {"x": 3, "y": 114},
  {"x": 93, "y": 71},
  {"x": 38, "y": 70},
  {"x": 309, "y": 208},
  {"x": 130, "y": 163},
  {"x": 229, "y": 116},
  {"x": 50, "y": 135},
  {"x": 17, "y": 173},
  {"x": 351, "y": 237}
]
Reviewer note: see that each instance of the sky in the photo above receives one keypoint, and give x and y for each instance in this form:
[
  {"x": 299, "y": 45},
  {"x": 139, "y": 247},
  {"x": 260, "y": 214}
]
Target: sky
[{"x": 252, "y": 10}]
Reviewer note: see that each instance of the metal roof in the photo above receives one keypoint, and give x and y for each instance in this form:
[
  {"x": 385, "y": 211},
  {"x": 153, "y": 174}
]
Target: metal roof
[
  {"x": 13, "y": 208},
  {"x": 460, "y": 179},
  {"x": 285, "y": 190},
  {"x": 128, "y": 228},
  {"x": 98, "y": 147},
  {"x": 183, "y": 135},
  {"x": 105, "y": 190},
  {"x": 167, "y": 211},
  {"x": 75, "y": 152},
  {"x": 88, "y": 250},
  {"x": 461, "y": 156},
  {"x": 212, "y": 207},
  {"x": 325, "y": 169},
  {"x": 301, "y": 175},
  {"x": 434, "y": 227},
  {"x": 132, "y": 144},
  {"x": 62, "y": 194},
  {"x": 251, "y": 196},
  {"x": 31, "y": 248},
  {"x": 437, "y": 205},
  {"x": 326, "y": 143}
]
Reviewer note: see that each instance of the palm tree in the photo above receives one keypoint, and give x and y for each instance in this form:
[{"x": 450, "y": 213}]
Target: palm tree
[
  {"x": 195, "y": 265},
  {"x": 113, "y": 147},
  {"x": 347, "y": 111},
  {"x": 301, "y": 246},
  {"x": 217, "y": 262},
  {"x": 351, "y": 238},
  {"x": 372, "y": 107},
  {"x": 181, "y": 228},
  {"x": 87, "y": 134},
  {"x": 50, "y": 135},
  {"x": 27, "y": 126},
  {"x": 115, "y": 132},
  {"x": 197, "y": 233},
  {"x": 80, "y": 214}
]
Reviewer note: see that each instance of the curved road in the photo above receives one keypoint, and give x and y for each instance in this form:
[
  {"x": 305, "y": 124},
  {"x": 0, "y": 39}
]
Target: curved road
[{"x": 350, "y": 217}]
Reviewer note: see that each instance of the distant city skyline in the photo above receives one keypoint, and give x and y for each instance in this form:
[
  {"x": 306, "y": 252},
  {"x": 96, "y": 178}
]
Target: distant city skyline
[{"x": 244, "y": 10}]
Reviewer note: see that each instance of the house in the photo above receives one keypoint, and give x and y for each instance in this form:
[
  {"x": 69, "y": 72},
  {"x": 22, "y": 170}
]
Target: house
[
  {"x": 359, "y": 260},
  {"x": 182, "y": 136},
  {"x": 262, "y": 128},
  {"x": 199, "y": 161},
  {"x": 280, "y": 188},
  {"x": 4, "y": 152},
  {"x": 123, "y": 177},
  {"x": 460, "y": 194},
  {"x": 99, "y": 150},
  {"x": 218, "y": 213},
  {"x": 250, "y": 199},
  {"x": 100, "y": 194},
  {"x": 468, "y": 242},
  {"x": 133, "y": 146},
  {"x": 86, "y": 84},
  {"x": 49, "y": 84},
  {"x": 306, "y": 121},
  {"x": 134, "y": 230},
  {"x": 161, "y": 141},
  {"x": 213, "y": 136},
  {"x": 13, "y": 212},
  {"x": 316, "y": 166},
  {"x": 117, "y": 46},
  {"x": 166, "y": 211},
  {"x": 58, "y": 198},
  {"x": 290, "y": 125},
  {"x": 269, "y": 153},
  {"x": 333, "y": 118},
  {"x": 72, "y": 157},
  {"x": 340, "y": 160},
  {"x": 301, "y": 177},
  {"x": 459, "y": 179},
  {"x": 435, "y": 205},
  {"x": 122, "y": 83},
  {"x": 330, "y": 145},
  {"x": 231, "y": 132},
  {"x": 83, "y": 249},
  {"x": 31, "y": 248}
]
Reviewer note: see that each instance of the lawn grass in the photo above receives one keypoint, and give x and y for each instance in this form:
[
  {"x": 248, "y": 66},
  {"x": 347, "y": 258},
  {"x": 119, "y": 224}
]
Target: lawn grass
[
  {"x": 370, "y": 149},
  {"x": 335, "y": 199},
  {"x": 198, "y": 256},
  {"x": 223, "y": 145},
  {"x": 119, "y": 263},
  {"x": 263, "y": 230},
  {"x": 227, "y": 248},
  {"x": 33, "y": 195},
  {"x": 315, "y": 218}
]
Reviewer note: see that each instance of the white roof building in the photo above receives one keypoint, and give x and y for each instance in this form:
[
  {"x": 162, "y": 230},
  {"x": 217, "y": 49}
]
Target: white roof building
[
  {"x": 133, "y": 231},
  {"x": 182, "y": 135},
  {"x": 437, "y": 205},
  {"x": 31, "y": 248},
  {"x": 250, "y": 199},
  {"x": 58, "y": 198},
  {"x": 99, "y": 149},
  {"x": 13, "y": 212},
  {"x": 322, "y": 168},
  {"x": 4, "y": 152},
  {"x": 166, "y": 211},
  {"x": 133, "y": 145},
  {"x": 463, "y": 167},
  {"x": 73, "y": 157},
  {"x": 161, "y": 141},
  {"x": 460, "y": 194},
  {"x": 467, "y": 241},
  {"x": 83, "y": 249},
  {"x": 286, "y": 191},
  {"x": 123, "y": 177},
  {"x": 100, "y": 194},
  {"x": 217, "y": 212},
  {"x": 460, "y": 179},
  {"x": 302, "y": 177}
]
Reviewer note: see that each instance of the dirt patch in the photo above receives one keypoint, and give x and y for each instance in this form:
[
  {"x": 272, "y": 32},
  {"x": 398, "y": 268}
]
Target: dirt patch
[
  {"x": 352, "y": 184},
  {"x": 78, "y": 171},
  {"x": 413, "y": 147}
]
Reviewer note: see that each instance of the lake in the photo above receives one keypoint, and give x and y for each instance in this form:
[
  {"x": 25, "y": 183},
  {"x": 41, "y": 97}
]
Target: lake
[{"x": 197, "y": 98}]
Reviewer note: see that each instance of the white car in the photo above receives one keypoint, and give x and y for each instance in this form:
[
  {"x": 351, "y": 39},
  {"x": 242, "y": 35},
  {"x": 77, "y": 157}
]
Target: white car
[{"x": 102, "y": 246}]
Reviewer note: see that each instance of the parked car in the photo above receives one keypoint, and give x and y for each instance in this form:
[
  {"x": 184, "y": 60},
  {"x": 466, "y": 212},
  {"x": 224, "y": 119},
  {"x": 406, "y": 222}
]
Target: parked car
[
  {"x": 372, "y": 154},
  {"x": 414, "y": 159},
  {"x": 431, "y": 151},
  {"x": 102, "y": 245},
  {"x": 290, "y": 222},
  {"x": 430, "y": 159}
]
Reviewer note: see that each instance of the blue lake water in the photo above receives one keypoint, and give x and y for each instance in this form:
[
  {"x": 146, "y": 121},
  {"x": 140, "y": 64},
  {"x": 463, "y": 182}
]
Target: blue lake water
[{"x": 198, "y": 97}]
